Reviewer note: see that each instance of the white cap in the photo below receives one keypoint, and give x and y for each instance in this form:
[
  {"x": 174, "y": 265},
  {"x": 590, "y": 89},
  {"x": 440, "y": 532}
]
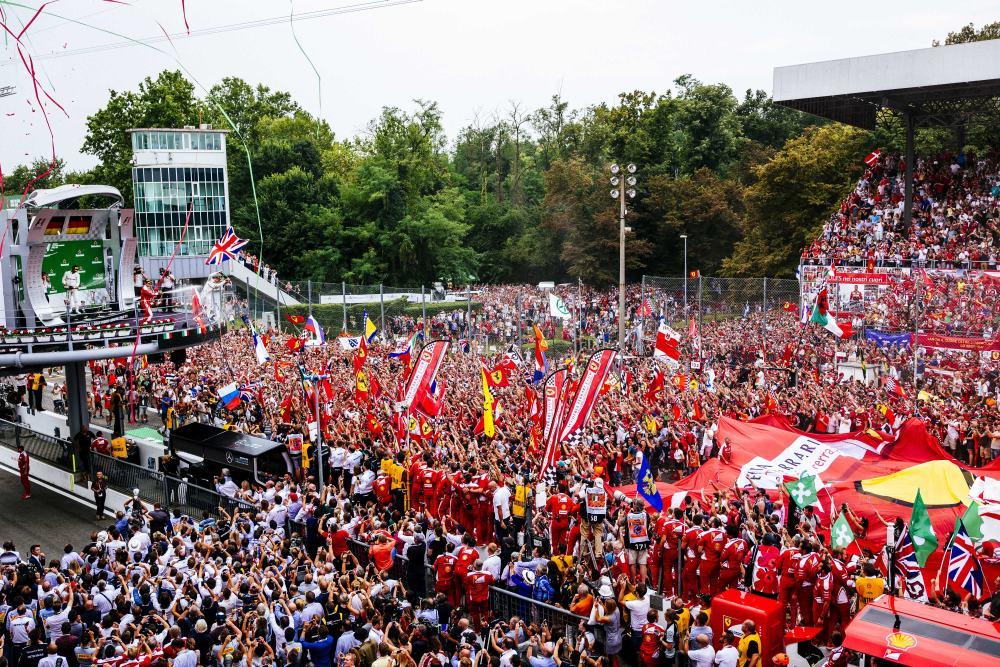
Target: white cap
[
  {"x": 529, "y": 577},
  {"x": 134, "y": 544},
  {"x": 606, "y": 591},
  {"x": 102, "y": 536}
]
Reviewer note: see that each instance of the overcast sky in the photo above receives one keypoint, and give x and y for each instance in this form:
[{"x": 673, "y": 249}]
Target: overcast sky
[{"x": 471, "y": 56}]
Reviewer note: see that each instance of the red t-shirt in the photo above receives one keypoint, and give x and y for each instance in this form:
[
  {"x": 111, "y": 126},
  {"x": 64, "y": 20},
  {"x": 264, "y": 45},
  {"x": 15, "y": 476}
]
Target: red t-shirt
[
  {"x": 466, "y": 557},
  {"x": 478, "y": 586},
  {"x": 444, "y": 568},
  {"x": 712, "y": 541},
  {"x": 651, "y": 635},
  {"x": 381, "y": 554},
  {"x": 561, "y": 507}
]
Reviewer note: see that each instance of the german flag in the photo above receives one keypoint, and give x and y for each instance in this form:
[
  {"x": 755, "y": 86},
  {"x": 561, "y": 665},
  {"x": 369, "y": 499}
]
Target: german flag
[
  {"x": 78, "y": 224},
  {"x": 54, "y": 226}
]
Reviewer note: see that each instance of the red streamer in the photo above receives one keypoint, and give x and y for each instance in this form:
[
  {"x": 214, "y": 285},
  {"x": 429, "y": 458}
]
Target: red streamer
[{"x": 184, "y": 13}]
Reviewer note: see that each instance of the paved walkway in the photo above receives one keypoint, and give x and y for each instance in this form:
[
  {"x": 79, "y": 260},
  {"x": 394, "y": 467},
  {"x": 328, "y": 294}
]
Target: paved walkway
[{"x": 47, "y": 518}]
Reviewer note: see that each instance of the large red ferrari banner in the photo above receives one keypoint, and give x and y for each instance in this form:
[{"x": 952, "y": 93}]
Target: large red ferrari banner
[
  {"x": 586, "y": 395},
  {"x": 425, "y": 370},
  {"x": 553, "y": 410}
]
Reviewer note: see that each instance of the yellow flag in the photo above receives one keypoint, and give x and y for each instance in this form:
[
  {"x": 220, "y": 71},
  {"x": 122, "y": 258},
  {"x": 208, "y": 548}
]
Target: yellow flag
[
  {"x": 488, "y": 428},
  {"x": 924, "y": 396}
]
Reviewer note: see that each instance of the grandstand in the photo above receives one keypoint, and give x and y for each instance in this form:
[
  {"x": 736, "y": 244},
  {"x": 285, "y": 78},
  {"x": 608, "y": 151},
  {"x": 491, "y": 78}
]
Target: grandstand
[{"x": 914, "y": 247}]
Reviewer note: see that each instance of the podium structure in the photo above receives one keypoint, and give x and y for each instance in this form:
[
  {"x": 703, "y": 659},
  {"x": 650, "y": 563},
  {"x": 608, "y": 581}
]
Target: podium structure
[{"x": 49, "y": 320}]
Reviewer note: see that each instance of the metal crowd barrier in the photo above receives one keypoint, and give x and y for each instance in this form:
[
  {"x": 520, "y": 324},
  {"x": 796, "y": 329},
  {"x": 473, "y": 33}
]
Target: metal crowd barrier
[
  {"x": 52, "y": 450},
  {"x": 171, "y": 492},
  {"x": 503, "y": 603}
]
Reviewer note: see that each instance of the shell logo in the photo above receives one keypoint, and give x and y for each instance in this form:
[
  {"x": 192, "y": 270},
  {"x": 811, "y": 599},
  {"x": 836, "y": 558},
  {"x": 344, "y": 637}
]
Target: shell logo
[{"x": 901, "y": 640}]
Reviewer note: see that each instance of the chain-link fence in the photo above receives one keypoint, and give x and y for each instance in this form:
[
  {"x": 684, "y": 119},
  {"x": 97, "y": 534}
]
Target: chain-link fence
[{"x": 687, "y": 304}]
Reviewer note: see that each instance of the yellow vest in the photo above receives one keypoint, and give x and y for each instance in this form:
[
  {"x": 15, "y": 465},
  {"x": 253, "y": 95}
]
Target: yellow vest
[
  {"x": 395, "y": 472},
  {"x": 683, "y": 620},
  {"x": 520, "y": 501},
  {"x": 745, "y": 645},
  {"x": 868, "y": 589}
]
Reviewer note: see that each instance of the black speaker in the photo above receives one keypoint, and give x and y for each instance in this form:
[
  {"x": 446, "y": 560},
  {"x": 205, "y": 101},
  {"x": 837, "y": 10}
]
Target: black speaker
[{"x": 178, "y": 357}]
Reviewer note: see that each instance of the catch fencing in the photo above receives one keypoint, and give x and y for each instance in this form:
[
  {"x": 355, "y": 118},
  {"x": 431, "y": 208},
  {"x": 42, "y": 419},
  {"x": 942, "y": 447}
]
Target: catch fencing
[
  {"x": 700, "y": 299},
  {"x": 171, "y": 492}
]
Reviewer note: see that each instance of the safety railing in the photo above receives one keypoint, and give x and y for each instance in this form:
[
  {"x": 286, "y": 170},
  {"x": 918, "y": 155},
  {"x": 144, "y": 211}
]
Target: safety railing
[
  {"x": 155, "y": 487},
  {"x": 54, "y": 451},
  {"x": 504, "y": 604}
]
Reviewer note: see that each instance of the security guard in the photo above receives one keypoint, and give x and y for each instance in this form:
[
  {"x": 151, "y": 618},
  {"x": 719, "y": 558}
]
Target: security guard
[{"x": 749, "y": 645}]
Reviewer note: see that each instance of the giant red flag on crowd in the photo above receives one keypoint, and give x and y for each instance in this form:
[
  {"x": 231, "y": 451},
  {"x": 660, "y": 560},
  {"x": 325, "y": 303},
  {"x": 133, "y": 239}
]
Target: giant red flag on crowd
[
  {"x": 586, "y": 393},
  {"x": 877, "y": 475}
]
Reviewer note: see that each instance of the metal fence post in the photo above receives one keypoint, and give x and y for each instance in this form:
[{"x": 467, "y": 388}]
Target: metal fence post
[
  {"x": 309, "y": 295},
  {"x": 381, "y": 307},
  {"x": 701, "y": 314},
  {"x": 423, "y": 308},
  {"x": 468, "y": 312},
  {"x": 763, "y": 323},
  {"x": 641, "y": 318},
  {"x": 343, "y": 291}
]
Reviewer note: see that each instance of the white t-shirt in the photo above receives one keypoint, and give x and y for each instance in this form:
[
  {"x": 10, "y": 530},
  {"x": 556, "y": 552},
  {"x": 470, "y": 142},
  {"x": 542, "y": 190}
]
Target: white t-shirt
[
  {"x": 637, "y": 612},
  {"x": 702, "y": 657},
  {"x": 727, "y": 657},
  {"x": 501, "y": 503}
]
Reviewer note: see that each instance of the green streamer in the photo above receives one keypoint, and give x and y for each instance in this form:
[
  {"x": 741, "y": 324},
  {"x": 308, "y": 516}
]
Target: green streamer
[{"x": 319, "y": 79}]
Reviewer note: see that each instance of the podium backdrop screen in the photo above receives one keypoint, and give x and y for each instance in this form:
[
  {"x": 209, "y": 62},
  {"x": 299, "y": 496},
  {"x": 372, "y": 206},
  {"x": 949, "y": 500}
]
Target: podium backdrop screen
[{"x": 60, "y": 256}]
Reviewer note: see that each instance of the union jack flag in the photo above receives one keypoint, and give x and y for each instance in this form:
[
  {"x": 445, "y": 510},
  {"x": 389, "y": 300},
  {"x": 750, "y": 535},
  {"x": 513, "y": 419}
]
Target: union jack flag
[
  {"x": 964, "y": 569},
  {"x": 226, "y": 248}
]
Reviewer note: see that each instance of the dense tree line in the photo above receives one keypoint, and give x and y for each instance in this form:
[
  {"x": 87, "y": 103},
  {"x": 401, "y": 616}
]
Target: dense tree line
[{"x": 519, "y": 195}]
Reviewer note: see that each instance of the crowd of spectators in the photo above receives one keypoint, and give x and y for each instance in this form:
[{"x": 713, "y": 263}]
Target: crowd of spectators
[{"x": 956, "y": 216}]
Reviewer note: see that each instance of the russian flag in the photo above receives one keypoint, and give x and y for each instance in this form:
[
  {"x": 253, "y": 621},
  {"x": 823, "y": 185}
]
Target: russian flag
[
  {"x": 318, "y": 337},
  {"x": 541, "y": 363},
  {"x": 230, "y": 396}
]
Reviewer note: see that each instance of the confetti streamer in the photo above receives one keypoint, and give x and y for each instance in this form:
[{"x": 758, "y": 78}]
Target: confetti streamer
[
  {"x": 319, "y": 79},
  {"x": 184, "y": 13}
]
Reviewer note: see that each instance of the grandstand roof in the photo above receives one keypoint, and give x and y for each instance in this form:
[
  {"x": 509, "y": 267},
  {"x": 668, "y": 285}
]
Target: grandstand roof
[{"x": 938, "y": 85}]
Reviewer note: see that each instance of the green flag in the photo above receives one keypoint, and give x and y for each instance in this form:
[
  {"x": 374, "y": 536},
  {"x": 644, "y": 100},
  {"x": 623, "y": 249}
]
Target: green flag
[
  {"x": 973, "y": 522},
  {"x": 921, "y": 532},
  {"x": 841, "y": 534},
  {"x": 803, "y": 491}
]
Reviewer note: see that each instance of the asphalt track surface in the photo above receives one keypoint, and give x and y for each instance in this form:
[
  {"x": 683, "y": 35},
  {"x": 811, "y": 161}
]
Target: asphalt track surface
[{"x": 47, "y": 518}]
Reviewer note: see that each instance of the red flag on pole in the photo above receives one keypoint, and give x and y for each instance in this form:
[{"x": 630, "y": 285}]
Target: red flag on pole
[{"x": 586, "y": 394}]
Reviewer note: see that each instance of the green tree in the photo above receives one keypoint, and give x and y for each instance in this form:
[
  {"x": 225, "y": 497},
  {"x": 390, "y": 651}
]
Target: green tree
[
  {"x": 707, "y": 208},
  {"x": 771, "y": 124},
  {"x": 793, "y": 195},
  {"x": 968, "y": 33},
  {"x": 584, "y": 220},
  {"x": 710, "y": 132},
  {"x": 166, "y": 101},
  {"x": 17, "y": 180}
]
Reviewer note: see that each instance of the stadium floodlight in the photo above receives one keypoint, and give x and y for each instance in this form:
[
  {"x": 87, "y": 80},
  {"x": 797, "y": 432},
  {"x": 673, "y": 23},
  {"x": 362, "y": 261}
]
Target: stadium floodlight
[{"x": 621, "y": 194}]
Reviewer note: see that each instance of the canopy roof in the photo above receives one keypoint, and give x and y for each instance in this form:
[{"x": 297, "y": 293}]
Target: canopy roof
[{"x": 941, "y": 85}]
